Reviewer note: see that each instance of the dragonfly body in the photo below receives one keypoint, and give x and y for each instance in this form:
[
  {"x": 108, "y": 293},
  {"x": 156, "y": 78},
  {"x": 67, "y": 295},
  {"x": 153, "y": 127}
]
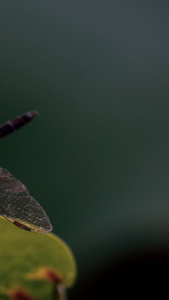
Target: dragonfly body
[
  {"x": 16, "y": 123},
  {"x": 16, "y": 204}
]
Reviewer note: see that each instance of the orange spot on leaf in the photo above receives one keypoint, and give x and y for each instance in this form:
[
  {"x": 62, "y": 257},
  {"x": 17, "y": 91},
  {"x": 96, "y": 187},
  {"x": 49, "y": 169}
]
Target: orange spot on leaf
[{"x": 46, "y": 274}]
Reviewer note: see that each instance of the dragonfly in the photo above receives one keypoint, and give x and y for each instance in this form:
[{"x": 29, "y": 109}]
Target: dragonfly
[{"x": 16, "y": 204}]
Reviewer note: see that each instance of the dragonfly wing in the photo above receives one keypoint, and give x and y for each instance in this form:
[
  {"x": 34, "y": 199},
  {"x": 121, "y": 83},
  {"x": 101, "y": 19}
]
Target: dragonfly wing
[{"x": 19, "y": 207}]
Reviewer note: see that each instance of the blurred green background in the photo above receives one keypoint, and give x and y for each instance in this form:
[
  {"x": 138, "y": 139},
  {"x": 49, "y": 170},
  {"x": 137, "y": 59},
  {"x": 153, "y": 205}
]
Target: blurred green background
[{"x": 97, "y": 157}]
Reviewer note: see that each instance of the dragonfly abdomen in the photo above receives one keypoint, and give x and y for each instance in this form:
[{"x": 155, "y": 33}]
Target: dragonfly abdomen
[{"x": 16, "y": 123}]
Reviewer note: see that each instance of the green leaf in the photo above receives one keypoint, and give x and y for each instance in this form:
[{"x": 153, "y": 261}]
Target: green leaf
[{"x": 33, "y": 263}]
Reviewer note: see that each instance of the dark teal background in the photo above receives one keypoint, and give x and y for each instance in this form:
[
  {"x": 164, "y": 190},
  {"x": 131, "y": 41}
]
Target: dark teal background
[{"x": 97, "y": 157}]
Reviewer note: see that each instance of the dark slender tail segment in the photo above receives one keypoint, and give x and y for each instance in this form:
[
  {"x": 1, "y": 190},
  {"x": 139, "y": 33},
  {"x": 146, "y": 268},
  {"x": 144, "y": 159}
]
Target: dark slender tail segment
[{"x": 17, "y": 123}]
